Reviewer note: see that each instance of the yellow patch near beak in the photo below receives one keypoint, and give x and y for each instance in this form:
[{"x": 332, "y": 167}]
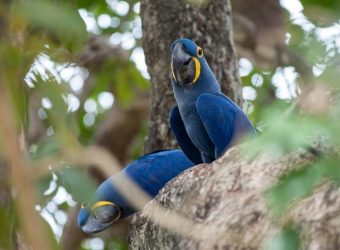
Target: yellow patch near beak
[
  {"x": 172, "y": 71},
  {"x": 101, "y": 203},
  {"x": 197, "y": 69}
]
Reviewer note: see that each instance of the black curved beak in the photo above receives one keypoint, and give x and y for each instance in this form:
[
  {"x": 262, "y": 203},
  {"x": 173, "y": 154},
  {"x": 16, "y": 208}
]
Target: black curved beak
[
  {"x": 183, "y": 66},
  {"x": 101, "y": 218}
]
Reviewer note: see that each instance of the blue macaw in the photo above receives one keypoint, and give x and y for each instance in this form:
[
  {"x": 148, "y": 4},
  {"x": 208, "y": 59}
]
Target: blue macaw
[
  {"x": 150, "y": 172},
  {"x": 205, "y": 122}
]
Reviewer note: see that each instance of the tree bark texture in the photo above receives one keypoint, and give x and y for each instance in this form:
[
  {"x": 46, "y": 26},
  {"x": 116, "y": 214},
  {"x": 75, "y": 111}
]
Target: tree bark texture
[
  {"x": 210, "y": 26},
  {"x": 227, "y": 196}
]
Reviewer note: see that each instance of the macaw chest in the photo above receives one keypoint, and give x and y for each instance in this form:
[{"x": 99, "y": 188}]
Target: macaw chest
[{"x": 197, "y": 132}]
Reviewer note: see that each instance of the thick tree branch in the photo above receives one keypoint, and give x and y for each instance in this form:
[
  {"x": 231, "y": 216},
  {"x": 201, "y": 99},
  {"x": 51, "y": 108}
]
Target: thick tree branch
[{"x": 226, "y": 197}]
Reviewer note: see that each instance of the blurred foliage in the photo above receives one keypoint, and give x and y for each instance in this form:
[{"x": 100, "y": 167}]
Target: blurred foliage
[
  {"x": 322, "y": 11},
  {"x": 286, "y": 239},
  {"x": 78, "y": 184},
  {"x": 115, "y": 244},
  {"x": 6, "y": 225},
  {"x": 47, "y": 40},
  {"x": 300, "y": 183},
  {"x": 54, "y": 36},
  {"x": 70, "y": 28},
  {"x": 47, "y": 147},
  {"x": 286, "y": 121}
]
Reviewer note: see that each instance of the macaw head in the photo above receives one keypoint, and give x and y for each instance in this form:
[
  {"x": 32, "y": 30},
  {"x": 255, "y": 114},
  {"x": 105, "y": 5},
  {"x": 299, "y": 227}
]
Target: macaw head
[
  {"x": 189, "y": 66},
  {"x": 101, "y": 213}
]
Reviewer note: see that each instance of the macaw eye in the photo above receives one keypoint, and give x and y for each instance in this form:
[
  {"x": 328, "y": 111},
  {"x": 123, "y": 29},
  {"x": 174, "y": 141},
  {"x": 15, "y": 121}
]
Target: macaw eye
[{"x": 199, "y": 52}]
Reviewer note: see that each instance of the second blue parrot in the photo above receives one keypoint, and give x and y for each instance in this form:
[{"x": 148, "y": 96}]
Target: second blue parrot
[
  {"x": 150, "y": 173},
  {"x": 205, "y": 122}
]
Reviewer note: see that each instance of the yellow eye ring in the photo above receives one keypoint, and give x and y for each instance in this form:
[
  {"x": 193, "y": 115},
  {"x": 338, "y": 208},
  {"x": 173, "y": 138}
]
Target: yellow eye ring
[{"x": 199, "y": 52}]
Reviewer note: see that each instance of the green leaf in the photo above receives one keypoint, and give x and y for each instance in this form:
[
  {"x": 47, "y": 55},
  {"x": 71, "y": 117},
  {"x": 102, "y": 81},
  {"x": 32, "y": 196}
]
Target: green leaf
[
  {"x": 48, "y": 147},
  {"x": 12, "y": 65},
  {"x": 6, "y": 226},
  {"x": 331, "y": 169},
  {"x": 300, "y": 183},
  {"x": 116, "y": 244},
  {"x": 323, "y": 3},
  {"x": 78, "y": 184},
  {"x": 54, "y": 91},
  {"x": 294, "y": 185},
  {"x": 322, "y": 11},
  {"x": 59, "y": 18},
  {"x": 42, "y": 185},
  {"x": 286, "y": 239}
]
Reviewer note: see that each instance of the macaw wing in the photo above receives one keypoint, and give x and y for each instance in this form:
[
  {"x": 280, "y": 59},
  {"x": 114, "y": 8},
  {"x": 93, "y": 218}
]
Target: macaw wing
[
  {"x": 218, "y": 116},
  {"x": 177, "y": 126},
  {"x": 152, "y": 171}
]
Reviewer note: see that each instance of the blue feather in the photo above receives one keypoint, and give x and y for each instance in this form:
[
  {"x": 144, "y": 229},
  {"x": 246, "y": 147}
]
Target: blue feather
[{"x": 178, "y": 129}]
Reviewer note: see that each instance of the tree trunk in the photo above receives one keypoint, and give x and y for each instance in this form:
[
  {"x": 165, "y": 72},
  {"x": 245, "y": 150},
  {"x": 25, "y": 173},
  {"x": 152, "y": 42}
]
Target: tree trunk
[{"x": 210, "y": 26}]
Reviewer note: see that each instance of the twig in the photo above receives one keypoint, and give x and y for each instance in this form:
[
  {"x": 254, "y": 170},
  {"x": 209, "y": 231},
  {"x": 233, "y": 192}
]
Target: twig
[{"x": 78, "y": 157}]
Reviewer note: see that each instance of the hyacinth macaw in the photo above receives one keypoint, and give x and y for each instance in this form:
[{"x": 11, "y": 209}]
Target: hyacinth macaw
[
  {"x": 150, "y": 172},
  {"x": 205, "y": 122}
]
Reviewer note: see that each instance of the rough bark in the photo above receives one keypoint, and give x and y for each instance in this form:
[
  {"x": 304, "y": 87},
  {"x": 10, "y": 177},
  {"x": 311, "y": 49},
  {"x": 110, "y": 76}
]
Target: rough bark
[
  {"x": 210, "y": 26},
  {"x": 227, "y": 196}
]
